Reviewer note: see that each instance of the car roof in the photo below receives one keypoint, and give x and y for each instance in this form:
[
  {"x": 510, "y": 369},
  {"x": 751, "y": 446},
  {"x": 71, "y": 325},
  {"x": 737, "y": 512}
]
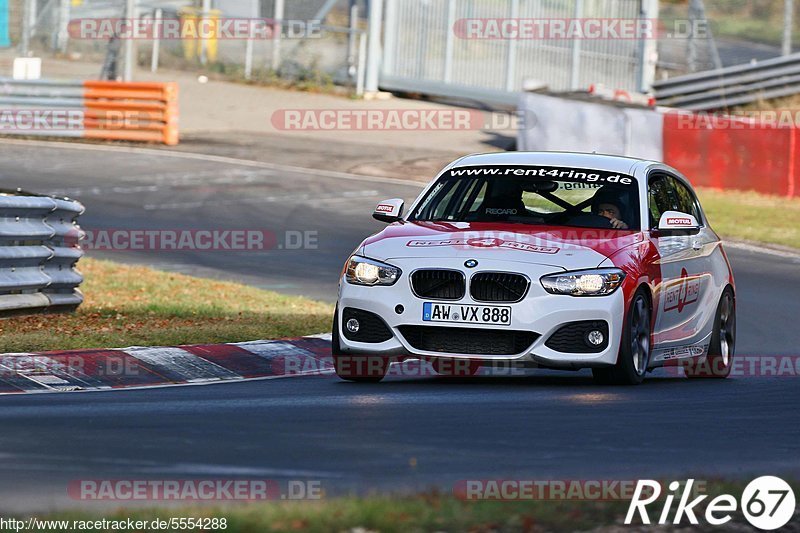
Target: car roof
[{"x": 610, "y": 163}]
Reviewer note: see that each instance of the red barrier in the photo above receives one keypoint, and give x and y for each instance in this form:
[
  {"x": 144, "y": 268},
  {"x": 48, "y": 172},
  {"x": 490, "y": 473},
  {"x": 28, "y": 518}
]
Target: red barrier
[{"x": 733, "y": 153}]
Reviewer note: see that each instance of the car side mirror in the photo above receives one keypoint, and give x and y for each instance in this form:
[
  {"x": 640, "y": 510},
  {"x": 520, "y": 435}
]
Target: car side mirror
[
  {"x": 677, "y": 223},
  {"x": 389, "y": 210}
]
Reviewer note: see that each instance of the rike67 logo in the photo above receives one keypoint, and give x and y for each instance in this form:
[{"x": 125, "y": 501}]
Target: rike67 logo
[{"x": 767, "y": 502}]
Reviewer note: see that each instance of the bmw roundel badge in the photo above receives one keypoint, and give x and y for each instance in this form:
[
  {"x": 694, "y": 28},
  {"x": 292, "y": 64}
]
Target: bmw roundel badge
[{"x": 470, "y": 263}]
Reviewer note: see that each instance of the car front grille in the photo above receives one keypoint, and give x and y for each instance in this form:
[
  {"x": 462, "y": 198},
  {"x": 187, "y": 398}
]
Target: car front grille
[
  {"x": 498, "y": 287},
  {"x": 572, "y": 337},
  {"x": 464, "y": 341},
  {"x": 371, "y": 328},
  {"x": 438, "y": 284}
]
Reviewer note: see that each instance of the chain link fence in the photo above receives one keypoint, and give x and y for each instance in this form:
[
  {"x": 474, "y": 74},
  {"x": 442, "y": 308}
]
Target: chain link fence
[
  {"x": 420, "y": 48},
  {"x": 329, "y": 55}
]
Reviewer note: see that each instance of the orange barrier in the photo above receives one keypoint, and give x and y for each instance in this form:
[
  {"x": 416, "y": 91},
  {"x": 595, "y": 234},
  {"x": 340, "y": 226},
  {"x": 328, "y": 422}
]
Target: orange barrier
[
  {"x": 733, "y": 153},
  {"x": 134, "y": 111}
]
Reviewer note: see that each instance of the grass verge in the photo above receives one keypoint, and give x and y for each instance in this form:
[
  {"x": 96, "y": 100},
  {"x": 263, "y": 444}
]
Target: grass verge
[
  {"x": 133, "y": 305},
  {"x": 752, "y": 216},
  {"x": 434, "y": 511}
]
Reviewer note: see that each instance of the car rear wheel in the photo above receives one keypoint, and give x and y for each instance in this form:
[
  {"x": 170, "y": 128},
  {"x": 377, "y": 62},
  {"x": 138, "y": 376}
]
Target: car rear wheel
[
  {"x": 358, "y": 368},
  {"x": 634, "y": 352},
  {"x": 718, "y": 362}
]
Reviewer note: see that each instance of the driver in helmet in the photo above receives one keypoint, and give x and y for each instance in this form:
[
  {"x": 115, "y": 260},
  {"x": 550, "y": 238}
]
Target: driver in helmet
[{"x": 607, "y": 203}]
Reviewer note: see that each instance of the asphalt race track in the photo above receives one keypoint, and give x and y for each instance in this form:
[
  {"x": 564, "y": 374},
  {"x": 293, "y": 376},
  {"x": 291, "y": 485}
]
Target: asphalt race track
[
  {"x": 406, "y": 433},
  {"x": 125, "y": 191}
]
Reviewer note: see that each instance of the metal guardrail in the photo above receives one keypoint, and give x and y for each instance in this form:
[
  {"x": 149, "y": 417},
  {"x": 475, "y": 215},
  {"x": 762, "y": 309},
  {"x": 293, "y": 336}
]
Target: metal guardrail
[
  {"x": 106, "y": 110},
  {"x": 39, "y": 248},
  {"x": 731, "y": 86}
]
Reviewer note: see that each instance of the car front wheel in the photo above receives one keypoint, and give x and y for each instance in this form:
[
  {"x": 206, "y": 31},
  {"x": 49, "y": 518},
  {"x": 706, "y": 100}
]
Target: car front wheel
[{"x": 634, "y": 353}]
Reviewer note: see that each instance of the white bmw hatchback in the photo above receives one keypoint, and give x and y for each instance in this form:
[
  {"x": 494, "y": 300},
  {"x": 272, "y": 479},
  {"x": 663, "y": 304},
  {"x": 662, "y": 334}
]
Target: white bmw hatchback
[{"x": 556, "y": 260}]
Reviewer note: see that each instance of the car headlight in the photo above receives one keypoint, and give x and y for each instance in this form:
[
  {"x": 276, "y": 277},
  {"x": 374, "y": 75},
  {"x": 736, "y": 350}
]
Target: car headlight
[
  {"x": 363, "y": 271},
  {"x": 597, "y": 282}
]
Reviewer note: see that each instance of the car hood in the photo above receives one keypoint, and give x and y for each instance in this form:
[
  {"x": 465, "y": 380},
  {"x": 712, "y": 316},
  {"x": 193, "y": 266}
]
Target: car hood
[{"x": 570, "y": 248}]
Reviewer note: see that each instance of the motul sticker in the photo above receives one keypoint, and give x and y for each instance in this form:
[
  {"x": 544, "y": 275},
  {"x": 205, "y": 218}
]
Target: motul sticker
[
  {"x": 492, "y": 242},
  {"x": 682, "y": 293},
  {"x": 679, "y": 221},
  {"x": 383, "y": 208}
]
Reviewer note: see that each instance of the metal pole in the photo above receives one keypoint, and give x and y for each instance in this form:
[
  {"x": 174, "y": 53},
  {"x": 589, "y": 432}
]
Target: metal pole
[
  {"x": 374, "y": 45},
  {"x": 648, "y": 48},
  {"x": 206, "y": 7},
  {"x": 788, "y": 26},
  {"x": 62, "y": 36},
  {"x": 248, "y": 49},
  {"x": 362, "y": 64},
  {"x": 352, "y": 39},
  {"x": 511, "y": 56},
  {"x": 27, "y": 27},
  {"x": 280, "y": 9},
  {"x": 156, "y": 39},
  {"x": 450, "y": 42},
  {"x": 248, "y": 59},
  {"x": 129, "y": 52},
  {"x": 575, "y": 71},
  {"x": 389, "y": 37},
  {"x": 34, "y": 16}
]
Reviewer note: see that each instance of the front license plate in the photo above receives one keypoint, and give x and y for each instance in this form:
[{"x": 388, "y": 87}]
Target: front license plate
[{"x": 466, "y": 314}]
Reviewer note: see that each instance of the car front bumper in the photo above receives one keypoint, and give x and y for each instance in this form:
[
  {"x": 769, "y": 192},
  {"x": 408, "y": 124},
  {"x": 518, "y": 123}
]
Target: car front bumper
[{"x": 539, "y": 312}]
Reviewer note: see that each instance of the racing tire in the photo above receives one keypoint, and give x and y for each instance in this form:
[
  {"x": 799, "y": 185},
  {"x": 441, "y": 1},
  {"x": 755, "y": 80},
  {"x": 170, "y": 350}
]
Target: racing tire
[
  {"x": 357, "y": 368},
  {"x": 635, "y": 350},
  {"x": 718, "y": 362}
]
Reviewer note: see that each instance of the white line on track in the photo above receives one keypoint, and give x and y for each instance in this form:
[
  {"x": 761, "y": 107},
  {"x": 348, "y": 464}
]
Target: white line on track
[
  {"x": 280, "y": 198},
  {"x": 762, "y": 249}
]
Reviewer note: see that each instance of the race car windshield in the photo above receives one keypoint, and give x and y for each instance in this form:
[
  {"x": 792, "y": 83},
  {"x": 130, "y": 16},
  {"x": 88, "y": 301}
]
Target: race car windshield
[{"x": 554, "y": 196}]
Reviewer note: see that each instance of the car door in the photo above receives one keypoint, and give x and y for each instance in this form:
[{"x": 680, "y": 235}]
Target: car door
[{"x": 686, "y": 280}]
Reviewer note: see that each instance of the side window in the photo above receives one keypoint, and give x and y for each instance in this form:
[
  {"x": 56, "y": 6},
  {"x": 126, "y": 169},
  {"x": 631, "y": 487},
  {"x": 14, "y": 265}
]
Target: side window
[
  {"x": 659, "y": 197},
  {"x": 686, "y": 201},
  {"x": 666, "y": 193}
]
